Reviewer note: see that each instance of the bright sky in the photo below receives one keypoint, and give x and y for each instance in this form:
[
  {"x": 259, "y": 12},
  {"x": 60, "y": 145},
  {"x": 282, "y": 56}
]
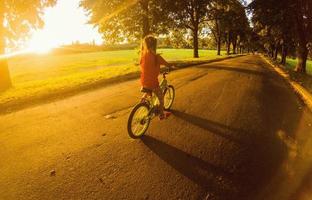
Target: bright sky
[{"x": 65, "y": 23}]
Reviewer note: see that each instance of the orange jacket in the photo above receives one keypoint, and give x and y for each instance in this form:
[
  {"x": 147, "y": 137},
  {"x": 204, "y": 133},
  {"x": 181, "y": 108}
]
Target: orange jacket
[{"x": 150, "y": 69}]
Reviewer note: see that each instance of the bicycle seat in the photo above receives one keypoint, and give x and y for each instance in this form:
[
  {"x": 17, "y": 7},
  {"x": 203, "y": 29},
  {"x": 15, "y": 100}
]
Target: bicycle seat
[{"x": 146, "y": 90}]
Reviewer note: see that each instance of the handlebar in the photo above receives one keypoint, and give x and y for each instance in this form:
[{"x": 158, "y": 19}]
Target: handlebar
[{"x": 166, "y": 72}]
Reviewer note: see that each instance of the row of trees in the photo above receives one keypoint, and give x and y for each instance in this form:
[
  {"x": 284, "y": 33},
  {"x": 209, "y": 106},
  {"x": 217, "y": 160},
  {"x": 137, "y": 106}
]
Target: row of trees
[
  {"x": 229, "y": 24},
  {"x": 130, "y": 20},
  {"x": 281, "y": 28},
  {"x": 284, "y": 28}
]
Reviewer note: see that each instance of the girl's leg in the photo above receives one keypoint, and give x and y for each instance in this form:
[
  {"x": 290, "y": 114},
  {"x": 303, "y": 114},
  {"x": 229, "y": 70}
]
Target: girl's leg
[
  {"x": 146, "y": 94},
  {"x": 160, "y": 97}
]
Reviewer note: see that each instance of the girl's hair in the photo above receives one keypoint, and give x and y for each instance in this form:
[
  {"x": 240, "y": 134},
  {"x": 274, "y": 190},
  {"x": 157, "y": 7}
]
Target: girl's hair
[{"x": 149, "y": 43}]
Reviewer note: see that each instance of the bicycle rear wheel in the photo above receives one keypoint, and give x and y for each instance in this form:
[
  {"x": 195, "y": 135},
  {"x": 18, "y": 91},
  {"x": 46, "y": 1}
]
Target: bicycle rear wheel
[
  {"x": 139, "y": 120},
  {"x": 169, "y": 96}
]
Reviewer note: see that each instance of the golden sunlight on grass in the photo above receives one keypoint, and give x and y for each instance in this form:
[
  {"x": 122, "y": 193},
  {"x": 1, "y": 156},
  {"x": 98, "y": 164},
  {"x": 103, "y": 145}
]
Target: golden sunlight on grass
[{"x": 41, "y": 75}]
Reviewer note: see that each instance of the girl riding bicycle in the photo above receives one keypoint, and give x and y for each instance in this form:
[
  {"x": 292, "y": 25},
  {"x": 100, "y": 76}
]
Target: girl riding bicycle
[{"x": 150, "y": 69}]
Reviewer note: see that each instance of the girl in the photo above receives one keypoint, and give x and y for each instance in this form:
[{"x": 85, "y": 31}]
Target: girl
[{"x": 150, "y": 69}]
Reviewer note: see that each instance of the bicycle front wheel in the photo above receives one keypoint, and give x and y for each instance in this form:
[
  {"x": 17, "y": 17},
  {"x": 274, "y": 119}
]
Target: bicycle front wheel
[
  {"x": 169, "y": 96},
  {"x": 139, "y": 120}
]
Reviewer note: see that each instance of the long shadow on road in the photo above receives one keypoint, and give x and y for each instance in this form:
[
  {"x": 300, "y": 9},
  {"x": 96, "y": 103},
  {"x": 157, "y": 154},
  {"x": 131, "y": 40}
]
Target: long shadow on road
[
  {"x": 233, "y": 69},
  {"x": 199, "y": 171},
  {"x": 222, "y": 130}
]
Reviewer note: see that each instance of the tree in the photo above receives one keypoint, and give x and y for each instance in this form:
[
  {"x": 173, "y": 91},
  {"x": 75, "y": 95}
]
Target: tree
[
  {"x": 178, "y": 39},
  {"x": 224, "y": 17},
  {"x": 236, "y": 25},
  {"x": 284, "y": 24},
  {"x": 274, "y": 21},
  {"x": 215, "y": 22},
  {"x": 189, "y": 14},
  {"x": 16, "y": 19},
  {"x": 303, "y": 18},
  {"x": 126, "y": 20}
]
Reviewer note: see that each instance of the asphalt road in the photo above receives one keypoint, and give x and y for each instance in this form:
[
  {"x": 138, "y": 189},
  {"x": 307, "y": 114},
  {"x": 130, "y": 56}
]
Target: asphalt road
[{"x": 237, "y": 132}]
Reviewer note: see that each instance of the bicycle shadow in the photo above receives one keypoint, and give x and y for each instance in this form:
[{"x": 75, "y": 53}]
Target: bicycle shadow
[
  {"x": 234, "y": 69},
  {"x": 229, "y": 133},
  {"x": 202, "y": 173}
]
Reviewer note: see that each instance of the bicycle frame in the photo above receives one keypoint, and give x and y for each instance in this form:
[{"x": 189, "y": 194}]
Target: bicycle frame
[{"x": 153, "y": 99}]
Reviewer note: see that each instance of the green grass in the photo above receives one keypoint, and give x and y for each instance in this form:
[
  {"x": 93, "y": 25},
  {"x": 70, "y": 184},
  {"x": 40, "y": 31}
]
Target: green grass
[
  {"x": 39, "y": 76},
  {"x": 291, "y": 64},
  {"x": 305, "y": 80}
]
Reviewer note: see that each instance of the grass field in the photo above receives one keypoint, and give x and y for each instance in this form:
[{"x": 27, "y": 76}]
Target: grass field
[
  {"x": 291, "y": 64},
  {"x": 38, "y": 76}
]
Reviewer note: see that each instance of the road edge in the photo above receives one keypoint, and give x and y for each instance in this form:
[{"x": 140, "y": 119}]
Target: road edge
[{"x": 301, "y": 92}]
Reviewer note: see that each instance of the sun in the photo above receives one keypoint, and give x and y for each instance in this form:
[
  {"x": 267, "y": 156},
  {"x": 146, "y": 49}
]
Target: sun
[
  {"x": 64, "y": 24},
  {"x": 40, "y": 49},
  {"x": 40, "y": 43}
]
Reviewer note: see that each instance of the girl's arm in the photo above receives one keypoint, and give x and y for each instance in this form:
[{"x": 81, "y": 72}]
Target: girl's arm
[{"x": 162, "y": 61}]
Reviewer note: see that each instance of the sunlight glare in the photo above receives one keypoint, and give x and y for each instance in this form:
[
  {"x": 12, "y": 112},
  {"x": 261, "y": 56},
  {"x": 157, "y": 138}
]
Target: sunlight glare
[
  {"x": 40, "y": 44},
  {"x": 66, "y": 23}
]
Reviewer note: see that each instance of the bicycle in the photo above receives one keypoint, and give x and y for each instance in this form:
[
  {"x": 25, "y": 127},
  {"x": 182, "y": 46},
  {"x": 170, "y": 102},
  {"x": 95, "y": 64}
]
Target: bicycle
[{"x": 148, "y": 108}]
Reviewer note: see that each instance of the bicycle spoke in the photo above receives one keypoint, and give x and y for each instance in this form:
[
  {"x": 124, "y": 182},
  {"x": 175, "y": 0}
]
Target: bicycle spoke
[
  {"x": 138, "y": 123},
  {"x": 168, "y": 98}
]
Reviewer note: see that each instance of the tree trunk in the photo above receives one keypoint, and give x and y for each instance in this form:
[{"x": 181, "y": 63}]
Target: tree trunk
[
  {"x": 302, "y": 59},
  {"x": 195, "y": 42},
  {"x": 219, "y": 45},
  {"x": 145, "y": 20},
  {"x": 238, "y": 46},
  {"x": 234, "y": 42},
  {"x": 218, "y": 37},
  {"x": 271, "y": 53},
  {"x": 228, "y": 49},
  {"x": 5, "y": 80},
  {"x": 302, "y": 35},
  {"x": 284, "y": 54},
  {"x": 275, "y": 53},
  {"x": 228, "y": 43}
]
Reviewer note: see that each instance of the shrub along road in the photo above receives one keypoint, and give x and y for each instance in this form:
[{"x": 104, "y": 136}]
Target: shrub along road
[{"x": 237, "y": 132}]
